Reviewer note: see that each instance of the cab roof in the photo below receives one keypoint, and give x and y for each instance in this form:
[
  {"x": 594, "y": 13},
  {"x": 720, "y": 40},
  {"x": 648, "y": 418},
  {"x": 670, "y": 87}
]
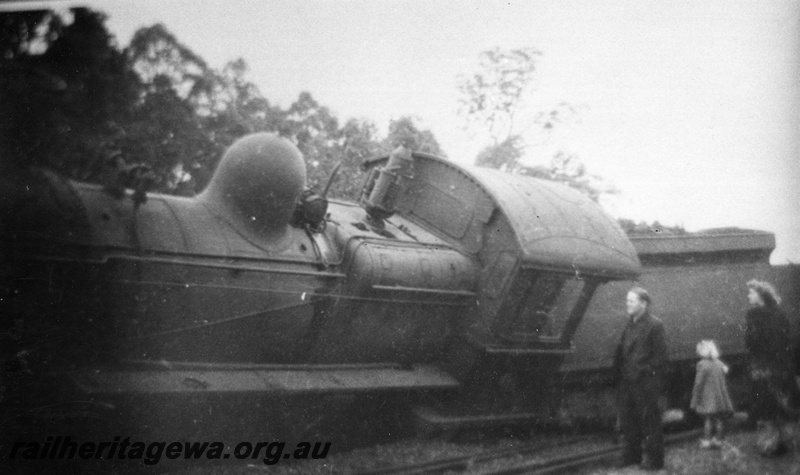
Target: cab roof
[{"x": 557, "y": 226}]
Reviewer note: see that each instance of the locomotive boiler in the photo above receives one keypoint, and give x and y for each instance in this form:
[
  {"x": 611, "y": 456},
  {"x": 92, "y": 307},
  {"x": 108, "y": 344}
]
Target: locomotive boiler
[{"x": 460, "y": 289}]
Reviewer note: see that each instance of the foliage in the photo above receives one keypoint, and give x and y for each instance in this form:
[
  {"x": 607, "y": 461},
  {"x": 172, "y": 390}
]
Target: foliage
[
  {"x": 492, "y": 98},
  {"x": 24, "y": 32},
  {"x": 154, "y": 53},
  {"x": 26, "y": 84},
  {"x": 568, "y": 169},
  {"x": 355, "y": 142},
  {"x": 165, "y": 135},
  {"x": 404, "y": 132},
  {"x": 633, "y": 228},
  {"x": 66, "y": 91},
  {"x": 496, "y": 100},
  {"x": 325, "y": 144},
  {"x": 502, "y": 156},
  {"x": 242, "y": 108},
  {"x": 74, "y": 102}
]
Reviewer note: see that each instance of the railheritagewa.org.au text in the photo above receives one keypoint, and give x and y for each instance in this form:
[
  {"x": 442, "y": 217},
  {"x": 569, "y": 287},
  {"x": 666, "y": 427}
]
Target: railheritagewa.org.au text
[{"x": 151, "y": 453}]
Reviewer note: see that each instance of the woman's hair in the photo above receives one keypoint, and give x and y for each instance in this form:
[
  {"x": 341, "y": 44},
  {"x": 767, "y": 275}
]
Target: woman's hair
[
  {"x": 707, "y": 349},
  {"x": 766, "y": 292}
]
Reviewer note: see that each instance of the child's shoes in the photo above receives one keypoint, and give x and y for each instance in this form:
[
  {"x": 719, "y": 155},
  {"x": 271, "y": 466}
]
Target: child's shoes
[{"x": 705, "y": 443}]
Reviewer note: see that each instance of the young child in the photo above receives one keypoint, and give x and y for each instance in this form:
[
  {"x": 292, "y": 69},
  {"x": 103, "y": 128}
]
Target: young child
[{"x": 710, "y": 397}]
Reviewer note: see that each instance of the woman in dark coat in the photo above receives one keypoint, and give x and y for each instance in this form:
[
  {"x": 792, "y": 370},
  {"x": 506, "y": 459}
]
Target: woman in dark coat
[{"x": 771, "y": 363}]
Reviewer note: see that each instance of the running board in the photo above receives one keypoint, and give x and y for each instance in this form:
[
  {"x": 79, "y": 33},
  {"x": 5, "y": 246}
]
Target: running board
[
  {"x": 429, "y": 420},
  {"x": 427, "y": 416},
  {"x": 254, "y": 381}
]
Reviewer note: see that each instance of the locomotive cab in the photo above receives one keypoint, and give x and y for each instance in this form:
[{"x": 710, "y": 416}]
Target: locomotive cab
[{"x": 542, "y": 250}]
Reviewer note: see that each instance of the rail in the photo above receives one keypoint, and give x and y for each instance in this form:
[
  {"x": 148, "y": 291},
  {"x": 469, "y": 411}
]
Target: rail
[
  {"x": 552, "y": 465},
  {"x": 463, "y": 463},
  {"x": 571, "y": 463}
]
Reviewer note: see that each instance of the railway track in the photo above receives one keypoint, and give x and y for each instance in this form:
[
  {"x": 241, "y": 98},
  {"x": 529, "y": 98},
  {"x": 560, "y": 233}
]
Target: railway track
[
  {"x": 534, "y": 461},
  {"x": 465, "y": 462}
]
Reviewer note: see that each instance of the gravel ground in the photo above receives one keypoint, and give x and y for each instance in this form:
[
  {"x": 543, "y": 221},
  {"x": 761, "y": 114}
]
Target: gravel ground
[{"x": 737, "y": 456}]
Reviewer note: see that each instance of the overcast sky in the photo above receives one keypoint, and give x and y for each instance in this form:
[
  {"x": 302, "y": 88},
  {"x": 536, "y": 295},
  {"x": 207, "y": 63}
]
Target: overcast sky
[{"x": 691, "y": 108}]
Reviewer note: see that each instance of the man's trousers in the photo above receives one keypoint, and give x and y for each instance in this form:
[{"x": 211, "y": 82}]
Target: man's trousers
[{"x": 640, "y": 419}]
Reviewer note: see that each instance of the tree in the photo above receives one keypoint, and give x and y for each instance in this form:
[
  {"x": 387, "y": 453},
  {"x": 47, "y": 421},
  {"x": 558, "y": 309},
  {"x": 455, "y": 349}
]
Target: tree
[
  {"x": 199, "y": 111},
  {"x": 74, "y": 102},
  {"x": 241, "y": 104},
  {"x": 358, "y": 141},
  {"x": 314, "y": 129},
  {"x": 502, "y": 156},
  {"x": 67, "y": 91},
  {"x": 22, "y": 33},
  {"x": 325, "y": 145},
  {"x": 166, "y": 135},
  {"x": 496, "y": 104},
  {"x": 493, "y": 98},
  {"x": 404, "y": 132},
  {"x": 155, "y": 52},
  {"x": 27, "y": 84},
  {"x": 654, "y": 229},
  {"x": 240, "y": 109},
  {"x": 310, "y": 125},
  {"x": 568, "y": 169}
]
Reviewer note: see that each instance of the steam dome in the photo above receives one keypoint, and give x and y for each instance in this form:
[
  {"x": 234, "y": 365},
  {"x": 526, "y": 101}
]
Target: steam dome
[{"x": 257, "y": 184}]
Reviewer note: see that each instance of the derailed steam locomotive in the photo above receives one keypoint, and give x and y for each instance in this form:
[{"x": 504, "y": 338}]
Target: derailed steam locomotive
[{"x": 458, "y": 290}]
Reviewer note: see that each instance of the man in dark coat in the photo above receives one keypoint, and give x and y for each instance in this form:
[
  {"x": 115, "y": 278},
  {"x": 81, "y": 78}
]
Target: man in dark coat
[{"x": 639, "y": 363}]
